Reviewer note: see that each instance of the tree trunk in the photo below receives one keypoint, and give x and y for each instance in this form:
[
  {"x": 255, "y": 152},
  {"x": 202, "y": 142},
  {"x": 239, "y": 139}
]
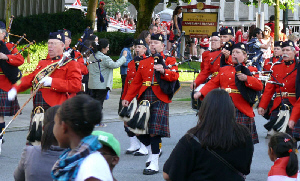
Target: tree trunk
[
  {"x": 8, "y": 12},
  {"x": 91, "y": 11},
  {"x": 145, "y": 9},
  {"x": 277, "y": 15}
]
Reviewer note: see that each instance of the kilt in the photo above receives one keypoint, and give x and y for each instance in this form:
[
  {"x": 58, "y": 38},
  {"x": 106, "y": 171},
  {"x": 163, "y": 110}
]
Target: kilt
[
  {"x": 38, "y": 100},
  {"x": 158, "y": 123},
  {"x": 295, "y": 133},
  {"x": 8, "y": 108},
  {"x": 242, "y": 119}
]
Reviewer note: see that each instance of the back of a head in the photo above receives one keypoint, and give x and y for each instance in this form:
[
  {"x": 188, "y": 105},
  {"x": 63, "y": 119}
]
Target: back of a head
[
  {"x": 272, "y": 18},
  {"x": 81, "y": 113},
  {"x": 217, "y": 127},
  {"x": 284, "y": 145},
  {"x": 102, "y": 43},
  {"x": 48, "y": 137},
  {"x": 143, "y": 34}
]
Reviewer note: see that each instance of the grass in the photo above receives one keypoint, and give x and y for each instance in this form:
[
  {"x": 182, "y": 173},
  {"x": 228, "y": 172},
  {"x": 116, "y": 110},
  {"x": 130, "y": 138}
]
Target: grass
[{"x": 183, "y": 99}]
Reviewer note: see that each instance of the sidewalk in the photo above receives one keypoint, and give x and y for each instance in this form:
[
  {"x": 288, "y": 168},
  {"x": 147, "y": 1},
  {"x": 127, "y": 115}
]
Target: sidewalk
[{"x": 110, "y": 108}]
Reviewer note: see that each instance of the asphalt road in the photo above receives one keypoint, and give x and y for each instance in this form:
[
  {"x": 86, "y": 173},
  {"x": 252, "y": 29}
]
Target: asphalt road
[{"x": 131, "y": 167}]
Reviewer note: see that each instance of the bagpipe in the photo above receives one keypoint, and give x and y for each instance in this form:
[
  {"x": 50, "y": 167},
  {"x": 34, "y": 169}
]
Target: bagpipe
[
  {"x": 60, "y": 63},
  {"x": 227, "y": 46},
  {"x": 11, "y": 72}
]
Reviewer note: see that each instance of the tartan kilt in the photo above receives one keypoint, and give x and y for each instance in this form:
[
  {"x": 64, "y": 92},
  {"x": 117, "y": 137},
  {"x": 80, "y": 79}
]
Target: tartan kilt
[
  {"x": 242, "y": 119},
  {"x": 8, "y": 108},
  {"x": 158, "y": 123},
  {"x": 295, "y": 133},
  {"x": 38, "y": 100}
]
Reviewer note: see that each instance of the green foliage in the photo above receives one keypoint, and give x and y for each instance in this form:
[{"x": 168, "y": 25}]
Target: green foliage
[
  {"x": 37, "y": 52},
  {"x": 176, "y": 1},
  {"x": 113, "y": 6},
  {"x": 290, "y": 3},
  {"x": 38, "y": 27}
]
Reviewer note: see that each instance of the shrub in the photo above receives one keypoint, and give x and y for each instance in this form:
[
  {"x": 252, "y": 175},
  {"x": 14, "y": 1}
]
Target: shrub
[{"x": 38, "y": 27}]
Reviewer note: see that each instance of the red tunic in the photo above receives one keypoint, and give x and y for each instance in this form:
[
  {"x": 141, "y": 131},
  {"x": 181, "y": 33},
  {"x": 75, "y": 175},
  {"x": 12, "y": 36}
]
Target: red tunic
[
  {"x": 66, "y": 79},
  {"x": 14, "y": 60},
  {"x": 131, "y": 72},
  {"x": 279, "y": 72},
  {"x": 145, "y": 73},
  {"x": 226, "y": 79},
  {"x": 296, "y": 111},
  {"x": 83, "y": 68},
  {"x": 207, "y": 68},
  {"x": 267, "y": 65}
]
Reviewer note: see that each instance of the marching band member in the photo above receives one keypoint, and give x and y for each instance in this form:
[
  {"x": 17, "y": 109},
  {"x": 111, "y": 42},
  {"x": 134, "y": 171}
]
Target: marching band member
[
  {"x": 7, "y": 108},
  {"x": 285, "y": 73},
  {"x": 276, "y": 56},
  {"x": 227, "y": 79},
  {"x": 64, "y": 80},
  {"x": 145, "y": 85},
  {"x": 210, "y": 61},
  {"x": 226, "y": 35},
  {"x": 140, "y": 49},
  {"x": 77, "y": 54}
]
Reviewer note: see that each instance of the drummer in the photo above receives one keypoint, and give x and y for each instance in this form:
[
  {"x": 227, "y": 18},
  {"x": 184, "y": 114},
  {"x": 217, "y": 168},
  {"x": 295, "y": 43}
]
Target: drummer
[
  {"x": 210, "y": 62},
  {"x": 227, "y": 78}
]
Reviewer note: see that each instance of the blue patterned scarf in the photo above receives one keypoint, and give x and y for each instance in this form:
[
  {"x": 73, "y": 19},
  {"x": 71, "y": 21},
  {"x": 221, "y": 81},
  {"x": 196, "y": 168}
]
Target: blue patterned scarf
[{"x": 67, "y": 166}]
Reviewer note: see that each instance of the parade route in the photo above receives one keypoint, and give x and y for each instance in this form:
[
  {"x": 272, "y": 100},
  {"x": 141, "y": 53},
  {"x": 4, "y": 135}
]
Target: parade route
[{"x": 182, "y": 118}]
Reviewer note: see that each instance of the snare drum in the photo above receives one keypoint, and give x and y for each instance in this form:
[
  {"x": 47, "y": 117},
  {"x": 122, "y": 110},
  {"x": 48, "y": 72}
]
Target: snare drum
[{"x": 196, "y": 103}]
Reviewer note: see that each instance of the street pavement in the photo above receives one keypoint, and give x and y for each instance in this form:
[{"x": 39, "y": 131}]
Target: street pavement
[{"x": 182, "y": 118}]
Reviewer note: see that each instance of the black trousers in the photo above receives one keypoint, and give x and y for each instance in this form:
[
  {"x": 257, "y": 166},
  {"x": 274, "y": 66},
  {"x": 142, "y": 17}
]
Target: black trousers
[{"x": 100, "y": 95}]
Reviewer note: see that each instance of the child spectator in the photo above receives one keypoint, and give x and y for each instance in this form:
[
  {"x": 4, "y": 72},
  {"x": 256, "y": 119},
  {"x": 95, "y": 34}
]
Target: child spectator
[
  {"x": 283, "y": 153},
  {"x": 73, "y": 125}
]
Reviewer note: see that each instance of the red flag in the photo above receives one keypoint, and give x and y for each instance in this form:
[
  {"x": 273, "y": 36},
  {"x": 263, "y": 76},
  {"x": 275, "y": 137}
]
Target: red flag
[{"x": 77, "y": 3}]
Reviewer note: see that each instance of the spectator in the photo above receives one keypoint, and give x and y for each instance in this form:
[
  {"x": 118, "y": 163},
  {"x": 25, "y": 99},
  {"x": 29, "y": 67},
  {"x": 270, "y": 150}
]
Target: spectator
[
  {"x": 177, "y": 27},
  {"x": 145, "y": 35},
  {"x": 101, "y": 18},
  {"x": 271, "y": 24},
  {"x": 110, "y": 148},
  {"x": 37, "y": 161},
  {"x": 128, "y": 47},
  {"x": 265, "y": 40},
  {"x": 101, "y": 73},
  {"x": 153, "y": 29},
  {"x": 118, "y": 17},
  {"x": 216, "y": 133},
  {"x": 239, "y": 34},
  {"x": 294, "y": 37},
  {"x": 282, "y": 35},
  {"x": 283, "y": 153},
  {"x": 204, "y": 45},
  {"x": 73, "y": 125}
]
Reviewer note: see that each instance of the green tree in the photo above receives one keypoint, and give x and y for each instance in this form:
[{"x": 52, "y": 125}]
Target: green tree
[
  {"x": 144, "y": 12},
  {"x": 278, "y": 4}
]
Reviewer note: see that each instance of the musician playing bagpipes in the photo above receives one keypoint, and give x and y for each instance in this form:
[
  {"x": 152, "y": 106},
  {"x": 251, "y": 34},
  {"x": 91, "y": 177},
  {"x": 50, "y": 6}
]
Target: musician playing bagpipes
[
  {"x": 8, "y": 61},
  {"x": 277, "y": 56},
  {"x": 56, "y": 88},
  {"x": 140, "y": 49},
  {"x": 226, "y": 35},
  {"x": 255, "y": 46},
  {"x": 75, "y": 54},
  {"x": 285, "y": 74},
  {"x": 210, "y": 64},
  {"x": 242, "y": 87},
  {"x": 146, "y": 85}
]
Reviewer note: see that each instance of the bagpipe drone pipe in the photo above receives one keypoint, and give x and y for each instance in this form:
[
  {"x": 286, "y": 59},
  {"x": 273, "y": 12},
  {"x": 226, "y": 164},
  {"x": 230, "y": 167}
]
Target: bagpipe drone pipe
[{"x": 227, "y": 46}]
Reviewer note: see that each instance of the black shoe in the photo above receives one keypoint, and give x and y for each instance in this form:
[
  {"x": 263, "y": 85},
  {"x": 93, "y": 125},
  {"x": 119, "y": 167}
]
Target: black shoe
[
  {"x": 137, "y": 153},
  {"x": 149, "y": 172},
  {"x": 148, "y": 163},
  {"x": 130, "y": 152}
]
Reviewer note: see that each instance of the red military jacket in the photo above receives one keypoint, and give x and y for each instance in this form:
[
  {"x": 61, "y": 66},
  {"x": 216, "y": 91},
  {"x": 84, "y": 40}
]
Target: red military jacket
[
  {"x": 145, "y": 73},
  {"x": 267, "y": 65},
  {"x": 65, "y": 80},
  {"x": 207, "y": 68},
  {"x": 80, "y": 60},
  {"x": 226, "y": 79},
  {"x": 131, "y": 72},
  {"x": 279, "y": 72},
  {"x": 296, "y": 111},
  {"x": 14, "y": 60}
]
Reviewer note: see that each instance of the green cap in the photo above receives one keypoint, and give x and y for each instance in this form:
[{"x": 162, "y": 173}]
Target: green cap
[{"x": 109, "y": 140}]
